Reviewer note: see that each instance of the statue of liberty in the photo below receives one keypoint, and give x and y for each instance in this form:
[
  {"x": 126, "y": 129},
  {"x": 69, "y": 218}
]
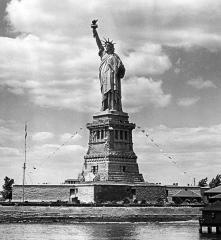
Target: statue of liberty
[{"x": 110, "y": 73}]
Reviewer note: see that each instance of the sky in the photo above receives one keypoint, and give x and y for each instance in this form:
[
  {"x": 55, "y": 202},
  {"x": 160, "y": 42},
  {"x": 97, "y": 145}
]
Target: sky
[{"x": 49, "y": 78}]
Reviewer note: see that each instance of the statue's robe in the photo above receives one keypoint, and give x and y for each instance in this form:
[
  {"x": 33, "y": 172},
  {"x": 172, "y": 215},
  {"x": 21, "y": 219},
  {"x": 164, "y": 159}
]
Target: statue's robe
[{"x": 110, "y": 72}]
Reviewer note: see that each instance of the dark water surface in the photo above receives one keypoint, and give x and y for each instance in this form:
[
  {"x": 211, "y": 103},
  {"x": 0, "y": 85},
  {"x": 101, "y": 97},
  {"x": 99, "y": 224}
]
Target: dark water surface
[{"x": 96, "y": 231}]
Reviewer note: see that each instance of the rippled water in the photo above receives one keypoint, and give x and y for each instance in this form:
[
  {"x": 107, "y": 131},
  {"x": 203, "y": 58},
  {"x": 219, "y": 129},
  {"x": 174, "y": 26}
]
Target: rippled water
[{"x": 92, "y": 231}]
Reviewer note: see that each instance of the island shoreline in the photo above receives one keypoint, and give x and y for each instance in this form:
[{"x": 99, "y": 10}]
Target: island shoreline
[{"x": 45, "y": 215}]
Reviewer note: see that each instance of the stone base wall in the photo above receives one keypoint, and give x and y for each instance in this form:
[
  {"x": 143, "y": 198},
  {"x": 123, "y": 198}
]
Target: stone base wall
[
  {"x": 85, "y": 194},
  {"x": 111, "y": 193},
  {"x": 53, "y": 193},
  {"x": 39, "y": 193},
  {"x": 89, "y": 193},
  {"x": 150, "y": 193}
]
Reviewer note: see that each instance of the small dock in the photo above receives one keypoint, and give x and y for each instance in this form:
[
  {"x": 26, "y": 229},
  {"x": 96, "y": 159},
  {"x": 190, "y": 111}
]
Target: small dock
[{"x": 211, "y": 219}]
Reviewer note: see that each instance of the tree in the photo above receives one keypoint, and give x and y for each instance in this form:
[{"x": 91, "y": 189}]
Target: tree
[
  {"x": 215, "y": 181},
  {"x": 7, "y": 188},
  {"x": 203, "y": 182}
]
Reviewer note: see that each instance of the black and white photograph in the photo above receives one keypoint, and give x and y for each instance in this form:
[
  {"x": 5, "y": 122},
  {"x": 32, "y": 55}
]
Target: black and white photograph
[{"x": 110, "y": 120}]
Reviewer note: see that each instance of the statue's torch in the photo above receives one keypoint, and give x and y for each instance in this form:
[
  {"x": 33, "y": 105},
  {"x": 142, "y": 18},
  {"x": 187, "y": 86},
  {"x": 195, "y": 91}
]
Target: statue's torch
[{"x": 94, "y": 26}]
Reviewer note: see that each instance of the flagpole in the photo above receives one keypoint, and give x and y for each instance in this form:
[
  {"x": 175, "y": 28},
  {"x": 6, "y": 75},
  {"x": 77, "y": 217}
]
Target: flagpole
[{"x": 24, "y": 166}]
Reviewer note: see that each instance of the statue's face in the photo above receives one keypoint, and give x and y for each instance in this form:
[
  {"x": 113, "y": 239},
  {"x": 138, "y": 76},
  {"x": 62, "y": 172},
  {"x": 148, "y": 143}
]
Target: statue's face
[{"x": 109, "y": 48}]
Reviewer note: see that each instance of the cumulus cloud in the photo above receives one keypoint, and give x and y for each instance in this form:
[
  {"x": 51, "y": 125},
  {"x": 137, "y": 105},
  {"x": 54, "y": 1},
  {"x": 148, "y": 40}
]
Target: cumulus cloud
[
  {"x": 149, "y": 92},
  {"x": 54, "y": 60},
  {"x": 186, "y": 102},
  {"x": 199, "y": 83},
  {"x": 49, "y": 74},
  {"x": 198, "y": 137},
  {"x": 147, "y": 59},
  {"x": 54, "y": 163},
  {"x": 51, "y": 161},
  {"x": 70, "y": 137},
  {"x": 188, "y": 166},
  {"x": 189, "y": 148},
  {"x": 174, "y": 22},
  {"x": 9, "y": 152},
  {"x": 63, "y": 82},
  {"x": 182, "y": 144},
  {"x": 44, "y": 163},
  {"x": 9, "y": 132},
  {"x": 51, "y": 151},
  {"x": 42, "y": 136}
]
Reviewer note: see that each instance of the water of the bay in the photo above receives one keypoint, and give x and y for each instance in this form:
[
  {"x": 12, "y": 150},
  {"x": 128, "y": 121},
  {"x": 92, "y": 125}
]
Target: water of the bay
[{"x": 107, "y": 231}]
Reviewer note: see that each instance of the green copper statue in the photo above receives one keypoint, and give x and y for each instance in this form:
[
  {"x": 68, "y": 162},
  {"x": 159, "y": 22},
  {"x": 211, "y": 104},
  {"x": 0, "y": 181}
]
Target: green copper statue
[{"x": 110, "y": 73}]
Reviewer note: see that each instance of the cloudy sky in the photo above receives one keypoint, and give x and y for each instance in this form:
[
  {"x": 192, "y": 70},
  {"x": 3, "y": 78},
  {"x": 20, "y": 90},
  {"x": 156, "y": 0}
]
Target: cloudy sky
[{"x": 49, "y": 78}]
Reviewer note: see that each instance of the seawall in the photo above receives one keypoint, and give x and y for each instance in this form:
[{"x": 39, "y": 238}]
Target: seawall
[{"x": 40, "y": 214}]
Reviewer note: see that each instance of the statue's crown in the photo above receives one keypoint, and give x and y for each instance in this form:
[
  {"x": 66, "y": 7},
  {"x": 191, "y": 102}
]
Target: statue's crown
[{"x": 108, "y": 41}]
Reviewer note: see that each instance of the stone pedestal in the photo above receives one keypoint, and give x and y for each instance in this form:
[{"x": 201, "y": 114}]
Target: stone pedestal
[{"x": 110, "y": 155}]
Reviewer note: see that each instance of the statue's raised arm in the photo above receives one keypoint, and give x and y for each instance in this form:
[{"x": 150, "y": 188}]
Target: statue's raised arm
[{"x": 96, "y": 36}]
